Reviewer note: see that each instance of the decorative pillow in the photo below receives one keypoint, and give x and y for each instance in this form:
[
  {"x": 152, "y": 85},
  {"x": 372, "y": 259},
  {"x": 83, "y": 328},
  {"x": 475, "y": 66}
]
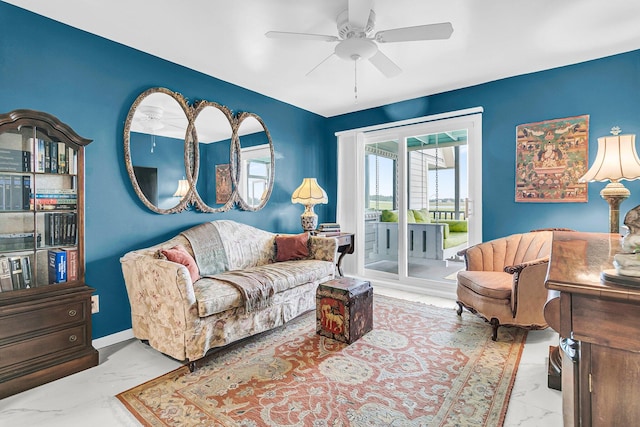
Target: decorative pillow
[
  {"x": 421, "y": 217},
  {"x": 389, "y": 216},
  {"x": 289, "y": 248},
  {"x": 180, "y": 255},
  {"x": 411, "y": 219}
]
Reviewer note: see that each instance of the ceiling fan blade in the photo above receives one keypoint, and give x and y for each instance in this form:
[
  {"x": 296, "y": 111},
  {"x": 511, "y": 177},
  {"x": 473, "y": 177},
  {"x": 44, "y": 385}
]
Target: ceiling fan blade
[
  {"x": 322, "y": 62},
  {"x": 385, "y": 65},
  {"x": 421, "y": 32},
  {"x": 359, "y": 11},
  {"x": 300, "y": 36}
]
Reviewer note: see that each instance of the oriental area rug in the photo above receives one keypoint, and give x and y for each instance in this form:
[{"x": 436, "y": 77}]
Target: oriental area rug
[{"x": 421, "y": 365}]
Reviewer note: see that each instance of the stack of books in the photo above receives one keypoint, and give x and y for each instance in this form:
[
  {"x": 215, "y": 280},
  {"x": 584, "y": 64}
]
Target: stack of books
[
  {"x": 328, "y": 229},
  {"x": 54, "y": 199},
  {"x": 63, "y": 265},
  {"x": 15, "y": 273}
]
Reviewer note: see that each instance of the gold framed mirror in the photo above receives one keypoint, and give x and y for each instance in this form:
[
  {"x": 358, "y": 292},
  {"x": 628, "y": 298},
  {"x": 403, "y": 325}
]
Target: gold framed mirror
[
  {"x": 213, "y": 148},
  {"x": 202, "y": 155},
  {"x": 255, "y": 162},
  {"x": 155, "y": 150}
]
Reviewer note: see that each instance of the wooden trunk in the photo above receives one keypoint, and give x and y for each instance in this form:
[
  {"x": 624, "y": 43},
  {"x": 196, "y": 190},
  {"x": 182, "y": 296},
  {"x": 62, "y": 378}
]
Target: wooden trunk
[{"x": 344, "y": 309}]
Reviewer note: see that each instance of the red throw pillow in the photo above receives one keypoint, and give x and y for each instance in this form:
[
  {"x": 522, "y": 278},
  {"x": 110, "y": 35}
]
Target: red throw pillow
[
  {"x": 292, "y": 247},
  {"x": 180, "y": 255}
]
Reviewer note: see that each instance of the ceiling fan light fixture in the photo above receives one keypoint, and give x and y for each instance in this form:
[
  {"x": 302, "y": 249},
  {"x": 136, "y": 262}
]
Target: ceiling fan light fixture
[
  {"x": 355, "y": 49},
  {"x": 346, "y": 29}
]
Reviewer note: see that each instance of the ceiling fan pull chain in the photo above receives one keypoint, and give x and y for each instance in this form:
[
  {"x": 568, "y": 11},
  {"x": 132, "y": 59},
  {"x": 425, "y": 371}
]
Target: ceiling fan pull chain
[{"x": 355, "y": 79}]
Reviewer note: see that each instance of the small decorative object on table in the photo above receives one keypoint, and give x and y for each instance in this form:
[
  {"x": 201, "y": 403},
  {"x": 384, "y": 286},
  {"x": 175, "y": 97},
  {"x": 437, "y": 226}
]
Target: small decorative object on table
[
  {"x": 627, "y": 263},
  {"x": 344, "y": 309}
]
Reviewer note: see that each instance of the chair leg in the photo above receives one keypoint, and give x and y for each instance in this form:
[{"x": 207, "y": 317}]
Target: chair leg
[
  {"x": 494, "y": 324},
  {"x": 459, "y": 310}
]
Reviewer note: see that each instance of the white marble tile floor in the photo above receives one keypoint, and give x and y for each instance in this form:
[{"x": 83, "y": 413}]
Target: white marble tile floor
[{"x": 88, "y": 398}]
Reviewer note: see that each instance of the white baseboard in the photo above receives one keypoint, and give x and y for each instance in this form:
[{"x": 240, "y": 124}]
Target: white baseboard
[{"x": 113, "y": 339}]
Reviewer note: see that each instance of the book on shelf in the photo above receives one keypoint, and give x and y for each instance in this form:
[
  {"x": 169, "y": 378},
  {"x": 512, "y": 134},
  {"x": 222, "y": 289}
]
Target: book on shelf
[
  {"x": 5, "y": 275},
  {"x": 60, "y": 228},
  {"x": 52, "y": 199},
  {"x": 14, "y": 192},
  {"x": 26, "y": 271},
  {"x": 72, "y": 263},
  {"x": 53, "y": 150},
  {"x": 17, "y": 278},
  {"x": 47, "y": 156},
  {"x": 12, "y": 160},
  {"x": 57, "y": 266},
  {"x": 62, "y": 158},
  {"x": 19, "y": 241}
]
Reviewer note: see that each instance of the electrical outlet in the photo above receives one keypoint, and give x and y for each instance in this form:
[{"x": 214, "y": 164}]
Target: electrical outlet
[{"x": 95, "y": 304}]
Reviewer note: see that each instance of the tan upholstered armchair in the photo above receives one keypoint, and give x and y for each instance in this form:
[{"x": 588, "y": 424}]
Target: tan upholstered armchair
[{"x": 504, "y": 280}]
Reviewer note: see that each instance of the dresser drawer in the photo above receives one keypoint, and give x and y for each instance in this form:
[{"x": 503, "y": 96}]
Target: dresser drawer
[
  {"x": 44, "y": 345},
  {"x": 41, "y": 318}
]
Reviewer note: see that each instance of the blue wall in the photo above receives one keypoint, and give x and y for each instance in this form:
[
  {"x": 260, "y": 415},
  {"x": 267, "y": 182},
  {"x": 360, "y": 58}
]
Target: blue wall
[
  {"x": 607, "y": 89},
  {"x": 90, "y": 83}
]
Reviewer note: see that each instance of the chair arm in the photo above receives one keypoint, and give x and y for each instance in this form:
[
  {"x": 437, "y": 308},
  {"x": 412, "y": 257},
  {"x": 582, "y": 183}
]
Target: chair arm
[
  {"x": 529, "y": 285},
  {"x": 162, "y": 301},
  {"x": 323, "y": 248},
  {"x": 514, "y": 269}
]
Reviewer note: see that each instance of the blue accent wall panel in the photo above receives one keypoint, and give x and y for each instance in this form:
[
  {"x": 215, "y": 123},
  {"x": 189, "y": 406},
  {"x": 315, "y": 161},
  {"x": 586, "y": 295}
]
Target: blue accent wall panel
[
  {"x": 607, "y": 89},
  {"x": 90, "y": 83}
]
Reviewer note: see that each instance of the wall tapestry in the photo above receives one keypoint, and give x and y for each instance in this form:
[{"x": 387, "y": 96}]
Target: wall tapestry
[
  {"x": 223, "y": 183},
  {"x": 550, "y": 158}
]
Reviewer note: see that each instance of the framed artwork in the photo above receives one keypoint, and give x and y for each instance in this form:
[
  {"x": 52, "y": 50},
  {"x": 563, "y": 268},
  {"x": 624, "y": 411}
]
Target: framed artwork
[
  {"x": 223, "y": 183},
  {"x": 551, "y": 156}
]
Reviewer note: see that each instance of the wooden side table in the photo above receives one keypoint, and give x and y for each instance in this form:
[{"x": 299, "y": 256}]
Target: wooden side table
[
  {"x": 346, "y": 245},
  {"x": 599, "y": 322}
]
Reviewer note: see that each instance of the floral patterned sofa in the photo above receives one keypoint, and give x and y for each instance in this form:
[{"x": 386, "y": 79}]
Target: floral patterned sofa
[{"x": 187, "y": 304}]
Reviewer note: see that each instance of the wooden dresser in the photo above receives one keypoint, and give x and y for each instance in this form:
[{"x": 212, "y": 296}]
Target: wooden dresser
[{"x": 601, "y": 324}]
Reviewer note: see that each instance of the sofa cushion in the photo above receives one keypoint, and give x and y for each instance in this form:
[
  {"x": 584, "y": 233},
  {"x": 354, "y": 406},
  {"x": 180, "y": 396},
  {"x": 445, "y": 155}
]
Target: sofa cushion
[
  {"x": 215, "y": 296},
  {"x": 455, "y": 239},
  {"x": 389, "y": 216},
  {"x": 457, "y": 226},
  {"x": 294, "y": 247},
  {"x": 490, "y": 284},
  {"x": 421, "y": 216},
  {"x": 180, "y": 255}
]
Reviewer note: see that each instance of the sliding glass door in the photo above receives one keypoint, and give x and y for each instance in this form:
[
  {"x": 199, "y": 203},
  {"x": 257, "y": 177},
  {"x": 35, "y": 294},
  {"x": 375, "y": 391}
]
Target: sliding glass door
[{"x": 419, "y": 189}]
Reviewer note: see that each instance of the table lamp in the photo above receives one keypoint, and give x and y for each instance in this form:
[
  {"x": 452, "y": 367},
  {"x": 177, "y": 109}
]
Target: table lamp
[
  {"x": 616, "y": 160},
  {"x": 309, "y": 194},
  {"x": 183, "y": 188}
]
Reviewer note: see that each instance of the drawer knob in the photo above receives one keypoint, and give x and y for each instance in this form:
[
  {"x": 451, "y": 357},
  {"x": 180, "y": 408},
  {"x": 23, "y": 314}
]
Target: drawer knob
[
  {"x": 73, "y": 338},
  {"x": 72, "y": 312}
]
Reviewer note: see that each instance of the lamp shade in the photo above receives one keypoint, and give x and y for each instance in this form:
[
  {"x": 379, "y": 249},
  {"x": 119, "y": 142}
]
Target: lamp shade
[
  {"x": 309, "y": 193},
  {"x": 183, "y": 188},
  {"x": 616, "y": 159}
]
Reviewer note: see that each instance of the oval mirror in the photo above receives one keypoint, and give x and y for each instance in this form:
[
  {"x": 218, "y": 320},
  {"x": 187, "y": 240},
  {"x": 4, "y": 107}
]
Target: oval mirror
[
  {"x": 213, "y": 154},
  {"x": 255, "y": 163},
  {"x": 155, "y": 150}
]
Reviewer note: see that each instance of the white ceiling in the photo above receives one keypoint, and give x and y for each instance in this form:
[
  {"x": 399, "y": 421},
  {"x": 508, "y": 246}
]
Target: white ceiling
[{"x": 492, "y": 39}]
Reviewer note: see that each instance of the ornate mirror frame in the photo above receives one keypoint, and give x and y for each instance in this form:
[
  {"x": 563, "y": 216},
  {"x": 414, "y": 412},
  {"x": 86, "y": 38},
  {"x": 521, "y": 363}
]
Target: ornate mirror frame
[
  {"x": 191, "y": 158},
  {"x": 199, "y": 201}
]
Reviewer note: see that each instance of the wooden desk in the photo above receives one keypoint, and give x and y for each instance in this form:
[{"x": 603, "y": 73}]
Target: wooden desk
[
  {"x": 346, "y": 245},
  {"x": 601, "y": 324}
]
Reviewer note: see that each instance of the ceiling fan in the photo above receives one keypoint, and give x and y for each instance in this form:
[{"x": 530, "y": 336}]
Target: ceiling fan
[{"x": 356, "y": 40}]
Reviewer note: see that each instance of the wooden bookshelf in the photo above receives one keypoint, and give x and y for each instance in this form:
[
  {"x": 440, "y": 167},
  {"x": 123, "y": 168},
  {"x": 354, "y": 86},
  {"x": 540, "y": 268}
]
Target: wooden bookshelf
[{"x": 46, "y": 323}]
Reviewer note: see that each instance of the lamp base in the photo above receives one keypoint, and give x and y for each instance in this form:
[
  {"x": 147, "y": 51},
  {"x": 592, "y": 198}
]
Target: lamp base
[
  {"x": 614, "y": 193},
  {"x": 309, "y": 219}
]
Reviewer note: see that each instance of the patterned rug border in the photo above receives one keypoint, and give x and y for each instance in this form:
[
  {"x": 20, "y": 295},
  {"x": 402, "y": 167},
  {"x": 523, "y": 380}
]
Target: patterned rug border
[{"x": 519, "y": 342}]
